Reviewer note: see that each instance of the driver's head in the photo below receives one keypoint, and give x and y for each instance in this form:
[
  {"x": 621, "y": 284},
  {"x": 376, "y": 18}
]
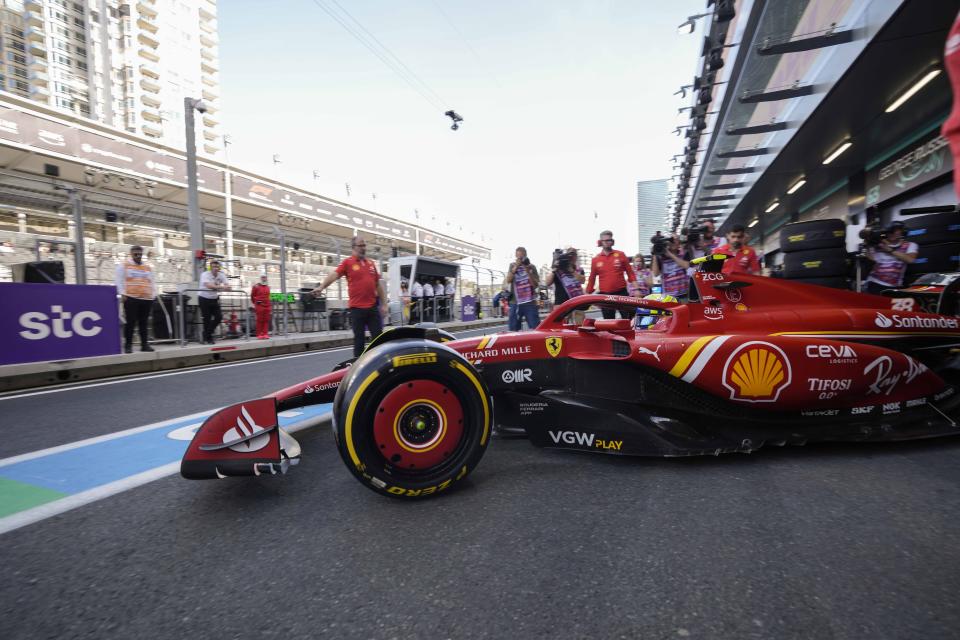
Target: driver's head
[
  {"x": 737, "y": 236},
  {"x": 655, "y": 316}
]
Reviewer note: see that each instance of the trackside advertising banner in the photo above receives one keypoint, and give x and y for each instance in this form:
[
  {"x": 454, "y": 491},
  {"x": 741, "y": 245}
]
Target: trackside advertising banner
[{"x": 57, "y": 322}]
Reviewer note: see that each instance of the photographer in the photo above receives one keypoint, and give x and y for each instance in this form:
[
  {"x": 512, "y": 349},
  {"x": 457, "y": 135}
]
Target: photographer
[
  {"x": 891, "y": 254},
  {"x": 610, "y": 267},
  {"x": 522, "y": 280},
  {"x": 710, "y": 240},
  {"x": 565, "y": 276},
  {"x": 666, "y": 262},
  {"x": 694, "y": 248}
]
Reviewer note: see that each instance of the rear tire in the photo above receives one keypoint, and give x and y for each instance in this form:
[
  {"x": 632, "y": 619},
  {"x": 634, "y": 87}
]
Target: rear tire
[
  {"x": 813, "y": 234},
  {"x": 933, "y": 228},
  {"x": 819, "y": 263},
  {"x": 933, "y": 258},
  {"x": 412, "y": 418}
]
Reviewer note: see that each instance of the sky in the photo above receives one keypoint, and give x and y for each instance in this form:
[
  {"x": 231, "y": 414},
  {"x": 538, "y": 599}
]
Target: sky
[{"x": 566, "y": 105}]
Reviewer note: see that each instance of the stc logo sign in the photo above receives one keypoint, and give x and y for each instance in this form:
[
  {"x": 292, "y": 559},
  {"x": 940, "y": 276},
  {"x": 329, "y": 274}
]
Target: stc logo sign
[{"x": 37, "y": 325}]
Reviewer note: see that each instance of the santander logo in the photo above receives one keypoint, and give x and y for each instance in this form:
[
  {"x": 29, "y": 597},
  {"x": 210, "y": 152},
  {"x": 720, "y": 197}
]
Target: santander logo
[
  {"x": 246, "y": 427},
  {"x": 883, "y": 321}
]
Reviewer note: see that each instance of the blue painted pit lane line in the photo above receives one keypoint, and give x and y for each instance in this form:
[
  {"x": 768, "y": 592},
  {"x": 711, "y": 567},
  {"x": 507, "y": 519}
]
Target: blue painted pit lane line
[{"x": 93, "y": 469}]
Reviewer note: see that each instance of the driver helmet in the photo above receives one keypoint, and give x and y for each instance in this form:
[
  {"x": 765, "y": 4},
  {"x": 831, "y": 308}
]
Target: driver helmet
[{"x": 647, "y": 318}]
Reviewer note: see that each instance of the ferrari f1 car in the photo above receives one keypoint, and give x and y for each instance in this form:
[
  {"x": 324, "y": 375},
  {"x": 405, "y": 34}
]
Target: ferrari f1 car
[{"x": 748, "y": 362}]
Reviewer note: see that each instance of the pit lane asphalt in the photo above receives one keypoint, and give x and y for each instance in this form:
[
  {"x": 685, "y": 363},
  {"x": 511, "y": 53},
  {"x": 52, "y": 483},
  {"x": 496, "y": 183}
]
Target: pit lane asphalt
[{"x": 822, "y": 541}]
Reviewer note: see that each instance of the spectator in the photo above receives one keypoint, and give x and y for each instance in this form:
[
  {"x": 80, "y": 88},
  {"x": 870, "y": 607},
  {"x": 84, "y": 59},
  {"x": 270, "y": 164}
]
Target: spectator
[
  {"x": 890, "y": 259},
  {"x": 364, "y": 290},
  {"x": 522, "y": 280},
  {"x": 429, "y": 310},
  {"x": 438, "y": 290},
  {"x": 404, "y": 302},
  {"x": 644, "y": 280},
  {"x": 499, "y": 300},
  {"x": 741, "y": 258},
  {"x": 212, "y": 282},
  {"x": 613, "y": 271},
  {"x": 260, "y": 297},
  {"x": 695, "y": 248},
  {"x": 672, "y": 268},
  {"x": 565, "y": 276},
  {"x": 138, "y": 289},
  {"x": 416, "y": 301}
]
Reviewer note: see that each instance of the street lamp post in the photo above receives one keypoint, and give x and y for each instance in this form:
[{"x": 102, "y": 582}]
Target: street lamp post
[{"x": 193, "y": 201}]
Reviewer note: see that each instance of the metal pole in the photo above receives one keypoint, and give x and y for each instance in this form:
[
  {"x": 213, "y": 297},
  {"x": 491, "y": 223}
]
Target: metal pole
[
  {"x": 228, "y": 213},
  {"x": 193, "y": 202},
  {"x": 76, "y": 205},
  {"x": 283, "y": 277}
]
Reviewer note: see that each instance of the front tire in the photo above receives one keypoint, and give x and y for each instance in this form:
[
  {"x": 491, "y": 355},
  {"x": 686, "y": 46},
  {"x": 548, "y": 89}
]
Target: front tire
[{"x": 412, "y": 418}]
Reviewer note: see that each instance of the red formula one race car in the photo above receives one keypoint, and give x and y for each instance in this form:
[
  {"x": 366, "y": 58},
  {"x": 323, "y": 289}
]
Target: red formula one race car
[{"x": 749, "y": 361}]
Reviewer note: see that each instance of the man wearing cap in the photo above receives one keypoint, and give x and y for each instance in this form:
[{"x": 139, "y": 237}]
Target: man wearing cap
[
  {"x": 137, "y": 289},
  {"x": 364, "y": 288},
  {"x": 212, "y": 282},
  {"x": 890, "y": 258}
]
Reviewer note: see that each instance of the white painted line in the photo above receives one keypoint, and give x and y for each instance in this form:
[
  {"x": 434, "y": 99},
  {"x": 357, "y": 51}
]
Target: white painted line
[{"x": 55, "y": 508}]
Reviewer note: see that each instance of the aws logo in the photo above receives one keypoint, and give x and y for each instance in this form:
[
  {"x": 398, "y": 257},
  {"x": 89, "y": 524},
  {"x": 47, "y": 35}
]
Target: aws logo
[{"x": 757, "y": 372}]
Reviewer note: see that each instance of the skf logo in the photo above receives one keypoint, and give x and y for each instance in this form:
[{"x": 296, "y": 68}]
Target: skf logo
[
  {"x": 756, "y": 372},
  {"x": 554, "y": 346},
  {"x": 416, "y": 358},
  {"x": 511, "y": 376},
  {"x": 862, "y": 411},
  {"x": 82, "y": 324}
]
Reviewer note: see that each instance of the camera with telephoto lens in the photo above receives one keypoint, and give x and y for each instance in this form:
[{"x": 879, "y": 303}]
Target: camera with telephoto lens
[
  {"x": 525, "y": 262},
  {"x": 562, "y": 260},
  {"x": 872, "y": 237},
  {"x": 658, "y": 244},
  {"x": 689, "y": 235}
]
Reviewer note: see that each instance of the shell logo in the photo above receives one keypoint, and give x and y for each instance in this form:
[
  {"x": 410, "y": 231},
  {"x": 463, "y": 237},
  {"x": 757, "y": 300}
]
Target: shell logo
[{"x": 757, "y": 372}]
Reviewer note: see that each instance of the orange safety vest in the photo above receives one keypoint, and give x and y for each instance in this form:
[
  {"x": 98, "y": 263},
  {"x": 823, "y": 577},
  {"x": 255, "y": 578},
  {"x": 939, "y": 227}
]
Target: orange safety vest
[{"x": 136, "y": 280}]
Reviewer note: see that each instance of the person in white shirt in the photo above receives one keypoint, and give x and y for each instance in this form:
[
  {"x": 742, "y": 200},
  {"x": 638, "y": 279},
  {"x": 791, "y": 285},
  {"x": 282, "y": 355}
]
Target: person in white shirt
[
  {"x": 212, "y": 282},
  {"x": 416, "y": 301},
  {"x": 428, "y": 307},
  {"x": 450, "y": 288},
  {"x": 138, "y": 289},
  {"x": 890, "y": 259}
]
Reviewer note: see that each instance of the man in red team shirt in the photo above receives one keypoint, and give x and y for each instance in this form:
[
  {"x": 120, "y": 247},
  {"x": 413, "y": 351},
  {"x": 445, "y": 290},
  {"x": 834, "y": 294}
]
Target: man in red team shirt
[
  {"x": 951, "y": 128},
  {"x": 364, "y": 288},
  {"x": 609, "y": 266},
  {"x": 742, "y": 259}
]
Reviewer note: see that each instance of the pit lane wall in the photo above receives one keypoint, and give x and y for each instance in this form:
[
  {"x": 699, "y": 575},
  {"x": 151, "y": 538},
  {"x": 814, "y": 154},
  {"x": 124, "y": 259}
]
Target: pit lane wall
[{"x": 166, "y": 358}]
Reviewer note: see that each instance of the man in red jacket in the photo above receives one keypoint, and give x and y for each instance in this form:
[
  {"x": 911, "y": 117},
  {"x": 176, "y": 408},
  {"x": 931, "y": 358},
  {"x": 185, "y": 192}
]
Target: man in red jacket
[
  {"x": 951, "y": 128},
  {"x": 260, "y": 296},
  {"x": 610, "y": 267},
  {"x": 741, "y": 258}
]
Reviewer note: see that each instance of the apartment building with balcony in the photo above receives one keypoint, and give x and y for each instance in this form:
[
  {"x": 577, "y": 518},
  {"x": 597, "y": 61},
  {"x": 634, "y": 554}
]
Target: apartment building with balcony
[{"x": 128, "y": 64}]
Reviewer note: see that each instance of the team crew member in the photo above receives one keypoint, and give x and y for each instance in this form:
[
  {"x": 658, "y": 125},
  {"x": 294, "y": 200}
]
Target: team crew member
[
  {"x": 260, "y": 296},
  {"x": 212, "y": 282},
  {"x": 364, "y": 288},
  {"x": 137, "y": 289},
  {"x": 522, "y": 280},
  {"x": 742, "y": 259},
  {"x": 672, "y": 269},
  {"x": 890, "y": 258},
  {"x": 612, "y": 269},
  {"x": 951, "y": 127}
]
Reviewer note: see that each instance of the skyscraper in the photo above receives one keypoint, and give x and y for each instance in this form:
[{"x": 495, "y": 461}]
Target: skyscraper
[
  {"x": 126, "y": 64},
  {"x": 651, "y": 208}
]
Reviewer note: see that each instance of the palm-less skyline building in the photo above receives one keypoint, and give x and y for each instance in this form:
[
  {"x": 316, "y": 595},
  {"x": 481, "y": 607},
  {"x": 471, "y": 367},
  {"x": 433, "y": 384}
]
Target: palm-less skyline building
[
  {"x": 651, "y": 206},
  {"x": 127, "y": 64}
]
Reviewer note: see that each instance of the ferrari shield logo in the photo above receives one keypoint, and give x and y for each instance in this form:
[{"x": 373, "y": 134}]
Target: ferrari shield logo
[{"x": 554, "y": 346}]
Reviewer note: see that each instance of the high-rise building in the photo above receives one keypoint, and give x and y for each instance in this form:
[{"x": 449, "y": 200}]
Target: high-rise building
[
  {"x": 651, "y": 208},
  {"x": 123, "y": 63}
]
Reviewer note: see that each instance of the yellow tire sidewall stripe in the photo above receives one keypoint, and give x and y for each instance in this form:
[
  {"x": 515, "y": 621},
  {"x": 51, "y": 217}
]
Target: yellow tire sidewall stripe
[{"x": 348, "y": 428}]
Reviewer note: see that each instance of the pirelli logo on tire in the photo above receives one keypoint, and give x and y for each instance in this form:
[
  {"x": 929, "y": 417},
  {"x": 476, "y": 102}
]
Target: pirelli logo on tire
[{"x": 416, "y": 358}]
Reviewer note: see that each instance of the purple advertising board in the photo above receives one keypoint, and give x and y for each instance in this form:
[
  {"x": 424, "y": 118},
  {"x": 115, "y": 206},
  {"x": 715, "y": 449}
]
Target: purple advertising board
[
  {"x": 57, "y": 322},
  {"x": 468, "y": 308}
]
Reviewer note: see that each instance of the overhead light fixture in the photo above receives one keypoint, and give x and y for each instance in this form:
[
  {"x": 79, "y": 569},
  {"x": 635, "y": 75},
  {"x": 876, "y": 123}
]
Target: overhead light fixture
[
  {"x": 773, "y": 205},
  {"x": 753, "y": 223},
  {"x": 836, "y": 152},
  {"x": 687, "y": 27},
  {"x": 796, "y": 186},
  {"x": 909, "y": 93}
]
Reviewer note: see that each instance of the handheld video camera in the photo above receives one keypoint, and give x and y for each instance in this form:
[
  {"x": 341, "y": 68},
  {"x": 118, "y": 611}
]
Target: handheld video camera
[
  {"x": 562, "y": 260},
  {"x": 658, "y": 244},
  {"x": 872, "y": 237}
]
